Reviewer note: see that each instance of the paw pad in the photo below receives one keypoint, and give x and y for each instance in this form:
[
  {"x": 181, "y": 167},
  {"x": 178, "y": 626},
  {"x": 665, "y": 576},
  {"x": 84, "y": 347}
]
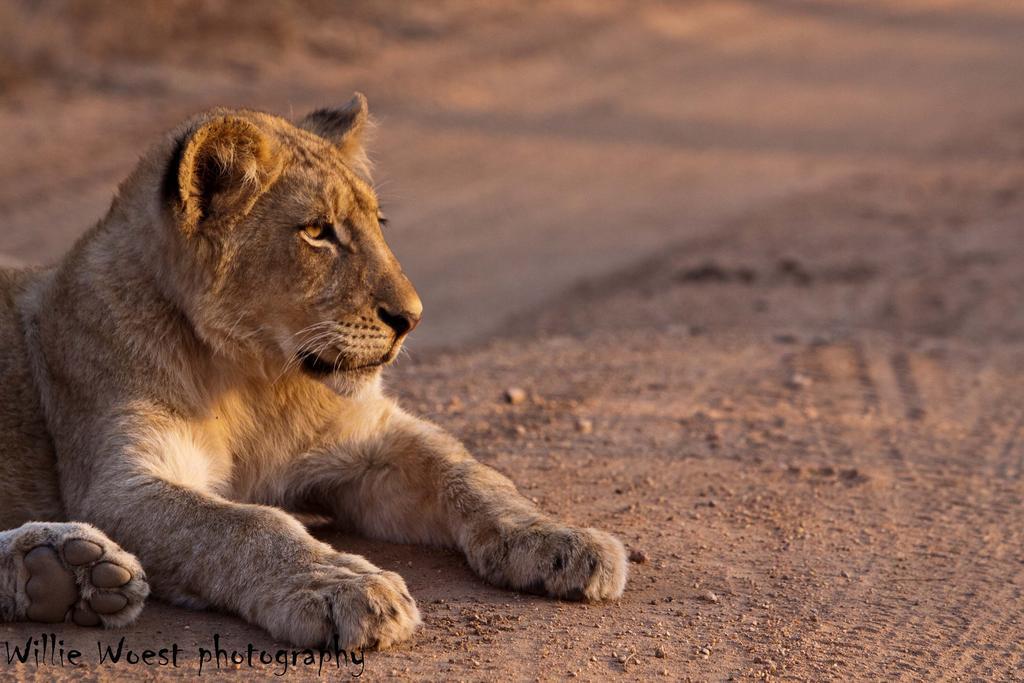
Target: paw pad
[
  {"x": 78, "y": 552},
  {"x": 89, "y": 580}
]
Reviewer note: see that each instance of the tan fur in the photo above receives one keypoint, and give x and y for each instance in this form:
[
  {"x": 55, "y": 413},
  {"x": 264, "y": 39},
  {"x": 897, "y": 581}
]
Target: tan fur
[{"x": 199, "y": 365}]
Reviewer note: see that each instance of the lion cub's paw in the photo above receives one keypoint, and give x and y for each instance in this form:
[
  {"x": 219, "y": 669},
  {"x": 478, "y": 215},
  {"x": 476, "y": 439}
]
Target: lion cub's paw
[
  {"x": 73, "y": 571},
  {"x": 567, "y": 563},
  {"x": 369, "y": 610}
]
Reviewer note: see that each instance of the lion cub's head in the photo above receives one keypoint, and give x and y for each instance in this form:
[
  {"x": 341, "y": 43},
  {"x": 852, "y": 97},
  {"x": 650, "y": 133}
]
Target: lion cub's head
[{"x": 276, "y": 251}]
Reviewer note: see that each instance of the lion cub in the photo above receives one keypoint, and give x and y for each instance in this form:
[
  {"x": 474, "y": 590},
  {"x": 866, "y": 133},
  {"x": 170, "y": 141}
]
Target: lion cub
[{"x": 206, "y": 360}]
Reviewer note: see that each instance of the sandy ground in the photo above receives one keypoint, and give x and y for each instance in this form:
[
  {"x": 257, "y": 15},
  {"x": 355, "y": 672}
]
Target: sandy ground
[{"x": 757, "y": 265}]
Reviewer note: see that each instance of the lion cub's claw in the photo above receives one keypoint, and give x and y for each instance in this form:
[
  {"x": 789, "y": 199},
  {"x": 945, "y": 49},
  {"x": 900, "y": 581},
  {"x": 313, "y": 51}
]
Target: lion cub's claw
[
  {"x": 567, "y": 563},
  {"x": 72, "y": 571},
  {"x": 377, "y": 612},
  {"x": 365, "y": 607}
]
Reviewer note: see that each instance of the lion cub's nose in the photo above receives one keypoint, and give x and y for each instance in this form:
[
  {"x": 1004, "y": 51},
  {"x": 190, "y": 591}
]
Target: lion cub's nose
[{"x": 402, "y": 323}]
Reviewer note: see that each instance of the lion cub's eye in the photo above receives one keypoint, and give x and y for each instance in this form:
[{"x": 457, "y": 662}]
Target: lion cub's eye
[
  {"x": 316, "y": 232},
  {"x": 325, "y": 233}
]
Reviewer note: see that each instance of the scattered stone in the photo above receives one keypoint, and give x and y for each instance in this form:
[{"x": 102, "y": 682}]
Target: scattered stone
[
  {"x": 520, "y": 430},
  {"x": 712, "y": 272},
  {"x": 515, "y": 395},
  {"x": 792, "y": 269},
  {"x": 798, "y": 381},
  {"x": 708, "y": 596},
  {"x": 659, "y": 653},
  {"x": 705, "y": 272},
  {"x": 584, "y": 426},
  {"x": 637, "y": 556},
  {"x": 852, "y": 475}
]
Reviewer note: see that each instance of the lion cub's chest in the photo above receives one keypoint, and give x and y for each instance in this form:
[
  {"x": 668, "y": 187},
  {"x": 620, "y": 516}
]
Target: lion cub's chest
[
  {"x": 241, "y": 438},
  {"x": 248, "y": 439}
]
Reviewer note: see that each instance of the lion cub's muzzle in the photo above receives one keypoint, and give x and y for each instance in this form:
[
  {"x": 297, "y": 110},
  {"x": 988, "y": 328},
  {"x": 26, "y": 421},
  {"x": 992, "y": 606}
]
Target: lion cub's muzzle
[
  {"x": 399, "y": 306},
  {"x": 402, "y": 322},
  {"x": 364, "y": 345}
]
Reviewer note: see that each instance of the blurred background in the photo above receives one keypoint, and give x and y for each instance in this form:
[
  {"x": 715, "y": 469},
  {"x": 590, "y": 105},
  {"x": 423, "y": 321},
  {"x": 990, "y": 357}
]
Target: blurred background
[{"x": 531, "y": 153}]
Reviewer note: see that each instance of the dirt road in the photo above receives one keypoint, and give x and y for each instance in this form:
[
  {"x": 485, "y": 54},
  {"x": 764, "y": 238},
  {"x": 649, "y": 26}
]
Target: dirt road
[{"x": 758, "y": 266}]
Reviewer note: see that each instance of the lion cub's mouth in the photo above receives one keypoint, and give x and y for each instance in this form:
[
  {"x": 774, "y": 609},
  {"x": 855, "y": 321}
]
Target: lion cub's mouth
[{"x": 317, "y": 366}]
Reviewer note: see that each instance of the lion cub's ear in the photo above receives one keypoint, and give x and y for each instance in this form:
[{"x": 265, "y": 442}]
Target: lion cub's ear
[
  {"x": 346, "y": 127},
  {"x": 218, "y": 170}
]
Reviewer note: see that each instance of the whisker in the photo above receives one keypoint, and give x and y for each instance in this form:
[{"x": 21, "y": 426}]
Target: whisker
[{"x": 321, "y": 331}]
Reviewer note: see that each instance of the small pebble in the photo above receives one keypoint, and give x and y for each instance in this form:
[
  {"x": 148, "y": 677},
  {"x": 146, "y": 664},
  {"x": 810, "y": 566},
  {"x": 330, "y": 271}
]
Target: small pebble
[
  {"x": 659, "y": 653},
  {"x": 798, "y": 381},
  {"x": 515, "y": 395},
  {"x": 637, "y": 556},
  {"x": 708, "y": 596},
  {"x": 584, "y": 426}
]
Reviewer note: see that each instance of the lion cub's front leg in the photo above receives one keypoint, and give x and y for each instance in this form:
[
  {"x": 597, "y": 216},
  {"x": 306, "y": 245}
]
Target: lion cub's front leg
[
  {"x": 417, "y": 484},
  {"x": 509, "y": 542},
  {"x": 253, "y": 560}
]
